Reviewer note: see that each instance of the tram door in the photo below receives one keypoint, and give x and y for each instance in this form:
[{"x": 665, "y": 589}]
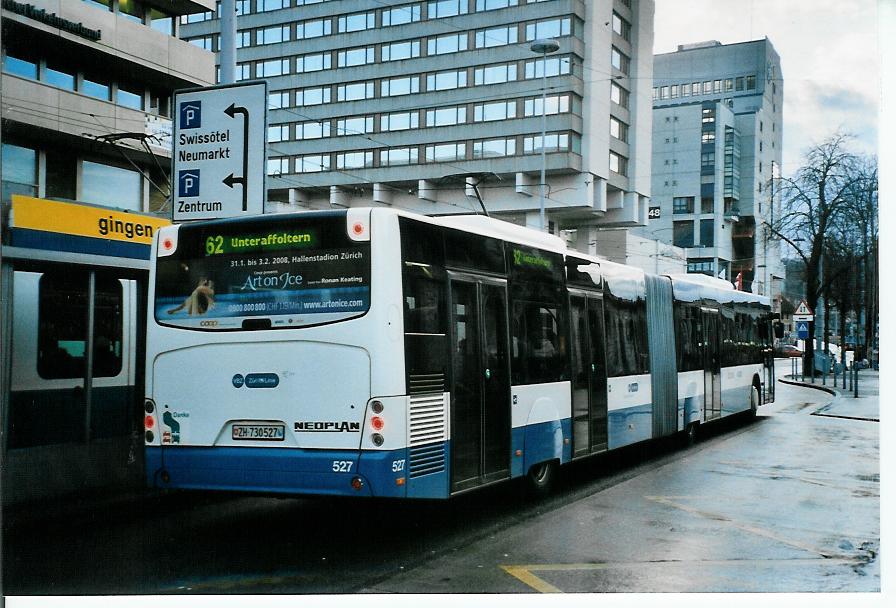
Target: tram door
[
  {"x": 589, "y": 381},
  {"x": 480, "y": 391},
  {"x": 712, "y": 364}
]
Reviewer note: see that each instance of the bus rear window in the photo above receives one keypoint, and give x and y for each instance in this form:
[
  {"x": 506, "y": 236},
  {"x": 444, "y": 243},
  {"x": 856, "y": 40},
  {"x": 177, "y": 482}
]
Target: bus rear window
[{"x": 269, "y": 272}]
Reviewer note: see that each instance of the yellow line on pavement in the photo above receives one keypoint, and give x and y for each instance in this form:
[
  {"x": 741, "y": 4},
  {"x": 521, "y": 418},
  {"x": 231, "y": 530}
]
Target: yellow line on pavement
[{"x": 524, "y": 573}]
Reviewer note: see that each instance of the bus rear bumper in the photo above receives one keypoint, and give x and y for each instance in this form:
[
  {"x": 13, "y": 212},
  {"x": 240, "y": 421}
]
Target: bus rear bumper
[{"x": 278, "y": 470}]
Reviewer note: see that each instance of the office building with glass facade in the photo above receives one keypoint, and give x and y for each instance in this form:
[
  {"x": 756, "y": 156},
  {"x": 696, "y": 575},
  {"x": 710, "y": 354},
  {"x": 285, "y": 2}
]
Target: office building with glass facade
[
  {"x": 422, "y": 104},
  {"x": 717, "y": 139}
]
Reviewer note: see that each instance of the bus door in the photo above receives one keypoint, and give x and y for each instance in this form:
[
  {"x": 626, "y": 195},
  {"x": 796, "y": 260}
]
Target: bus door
[
  {"x": 480, "y": 384},
  {"x": 589, "y": 378},
  {"x": 712, "y": 363}
]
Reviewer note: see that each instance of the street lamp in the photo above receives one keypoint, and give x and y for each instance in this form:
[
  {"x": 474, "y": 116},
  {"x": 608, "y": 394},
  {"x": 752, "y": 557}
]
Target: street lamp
[{"x": 544, "y": 46}]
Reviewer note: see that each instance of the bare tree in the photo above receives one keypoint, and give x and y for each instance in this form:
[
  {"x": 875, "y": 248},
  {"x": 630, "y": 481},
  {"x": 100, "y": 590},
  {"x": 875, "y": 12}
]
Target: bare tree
[
  {"x": 812, "y": 201},
  {"x": 864, "y": 216}
]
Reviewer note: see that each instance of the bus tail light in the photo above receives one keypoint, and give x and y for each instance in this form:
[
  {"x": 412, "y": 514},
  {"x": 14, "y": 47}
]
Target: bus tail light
[
  {"x": 377, "y": 424},
  {"x": 377, "y": 439}
]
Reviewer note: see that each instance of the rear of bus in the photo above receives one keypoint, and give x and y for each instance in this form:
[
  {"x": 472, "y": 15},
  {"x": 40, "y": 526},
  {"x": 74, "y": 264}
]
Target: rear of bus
[{"x": 262, "y": 337}]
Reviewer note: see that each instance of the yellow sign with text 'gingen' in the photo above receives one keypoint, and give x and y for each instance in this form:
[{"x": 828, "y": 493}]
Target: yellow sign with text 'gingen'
[{"x": 76, "y": 219}]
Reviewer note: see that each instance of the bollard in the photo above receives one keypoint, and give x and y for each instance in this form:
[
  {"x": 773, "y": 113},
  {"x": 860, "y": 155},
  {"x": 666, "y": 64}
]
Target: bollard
[{"x": 856, "y": 383}]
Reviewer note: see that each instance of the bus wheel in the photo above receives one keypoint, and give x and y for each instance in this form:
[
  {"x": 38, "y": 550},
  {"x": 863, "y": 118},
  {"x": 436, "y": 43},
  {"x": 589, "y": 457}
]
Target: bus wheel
[{"x": 541, "y": 478}]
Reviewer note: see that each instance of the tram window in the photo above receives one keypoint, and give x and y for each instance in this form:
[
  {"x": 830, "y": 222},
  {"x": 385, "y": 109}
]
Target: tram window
[
  {"x": 107, "y": 328},
  {"x": 474, "y": 251},
  {"x": 626, "y": 337},
  {"x": 62, "y": 327},
  {"x": 687, "y": 337},
  {"x": 421, "y": 243},
  {"x": 537, "y": 345}
]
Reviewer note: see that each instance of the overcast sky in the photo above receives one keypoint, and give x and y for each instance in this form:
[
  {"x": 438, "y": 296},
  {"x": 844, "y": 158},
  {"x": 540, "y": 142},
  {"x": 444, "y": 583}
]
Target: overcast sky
[{"x": 829, "y": 59}]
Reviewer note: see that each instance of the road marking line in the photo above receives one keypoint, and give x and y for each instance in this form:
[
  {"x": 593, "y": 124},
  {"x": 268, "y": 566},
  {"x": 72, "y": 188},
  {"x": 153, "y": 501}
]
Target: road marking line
[
  {"x": 524, "y": 574},
  {"x": 665, "y": 500}
]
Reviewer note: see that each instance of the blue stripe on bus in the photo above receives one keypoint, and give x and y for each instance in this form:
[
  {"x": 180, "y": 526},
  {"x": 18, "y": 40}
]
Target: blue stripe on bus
[
  {"x": 540, "y": 442},
  {"x": 54, "y": 241},
  {"x": 278, "y": 470},
  {"x": 630, "y": 425}
]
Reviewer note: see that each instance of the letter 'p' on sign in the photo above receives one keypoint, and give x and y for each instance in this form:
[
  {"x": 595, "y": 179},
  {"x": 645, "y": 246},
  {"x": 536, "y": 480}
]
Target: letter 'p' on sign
[
  {"x": 190, "y": 114},
  {"x": 188, "y": 182}
]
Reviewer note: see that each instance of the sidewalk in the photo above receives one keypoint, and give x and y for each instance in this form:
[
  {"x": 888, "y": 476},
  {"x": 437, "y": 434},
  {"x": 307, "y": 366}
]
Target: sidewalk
[{"x": 864, "y": 407}]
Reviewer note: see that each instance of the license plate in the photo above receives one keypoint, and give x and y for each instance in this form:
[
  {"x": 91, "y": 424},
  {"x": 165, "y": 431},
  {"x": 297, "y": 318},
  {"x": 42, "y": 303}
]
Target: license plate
[{"x": 259, "y": 432}]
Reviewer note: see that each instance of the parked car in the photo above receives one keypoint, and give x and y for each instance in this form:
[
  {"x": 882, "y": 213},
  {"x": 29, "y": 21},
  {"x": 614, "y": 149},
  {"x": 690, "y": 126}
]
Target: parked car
[{"x": 788, "y": 350}]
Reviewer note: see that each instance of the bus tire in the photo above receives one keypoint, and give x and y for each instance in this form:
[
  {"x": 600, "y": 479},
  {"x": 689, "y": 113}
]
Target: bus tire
[
  {"x": 754, "y": 401},
  {"x": 541, "y": 477}
]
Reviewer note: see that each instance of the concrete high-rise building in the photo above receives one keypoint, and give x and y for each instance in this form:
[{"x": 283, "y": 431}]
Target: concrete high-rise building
[
  {"x": 423, "y": 104},
  {"x": 717, "y": 139},
  {"x": 83, "y": 81}
]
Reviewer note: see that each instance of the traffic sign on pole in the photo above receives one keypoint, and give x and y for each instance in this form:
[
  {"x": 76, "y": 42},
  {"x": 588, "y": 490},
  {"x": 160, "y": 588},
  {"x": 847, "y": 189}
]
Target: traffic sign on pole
[
  {"x": 802, "y": 330},
  {"x": 218, "y": 167}
]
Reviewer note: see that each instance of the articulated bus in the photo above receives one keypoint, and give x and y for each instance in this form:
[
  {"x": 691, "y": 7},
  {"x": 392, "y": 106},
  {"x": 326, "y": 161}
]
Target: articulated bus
[{"x": 376, "y": 352}]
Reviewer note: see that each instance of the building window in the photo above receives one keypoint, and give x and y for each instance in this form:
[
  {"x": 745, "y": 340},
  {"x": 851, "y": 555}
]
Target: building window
[
  {"x": 445, "y": 152},
  {"x": 399, "y": 121},
  {"x": 708, "y": 115},
  {"x": 243, "y": 38},
  {"x": 497, "y": 36},
  {"x": 273, "y": 35},
  {"x": 685, "y": 90},
  {"x": 549, "y": 28},
  {"x": 554, "y": 104},
  {"x": 673, "y": 91},
  {"x": 131, "y": 10},
  {"x": 552, "y": 66},
  {"x": 263, "y": 6},
  {"x": 399, "y": 15},
  {"x": 354, "y": 57},
  {"x": 101, "y": 90},
  {"x": 491, "y": 5},
  {"x": 111, "y": 186},
  {"x": 683, "y": 204},
  {"x": 274, "y": 67},
  {"x": 359, "y": 21},
  {"x": 729, "y": 85},
  {"x": 491, "y": 148},
  {"x": 355, "y": 91},
  {"x": 707, "y": 233},
  {"x": 708, "y": 137},
  {"x": 131, "y": 99},
  {"x": 313, "y": 63},
  {"x": 359, "y": 125},
  {"x": 446, "y": 117},
  {"x": 313, "y": 130},
  {"x": 683, "y": 234},
  {"x": 313, "y": 163},
  {"x": 277, "y": 100},
  {"x": 751, "y": 82},
  {"x": 398, "y": 156},
  {"x": 400, "y": 50},
  {"x": 446, "y": 8},
  {"x": 739, "y": 83},
  {"x": 701, "y": 266},
  {"x": 161, "y": 21},
  {"x": 494, "y": 74},
  {"x": 442, "y": 81},
  {"x": 452, "y": 43},
  {"x": 354, "y": 160},
  {"x": 707, "y": 87},
  {"x": 500, "y": 110},
  {"x": 620, "y": 61},
  {"x": 404, "y": 85},
  {"x": 618, "y": 95},
  {"x": 278, "y": 166},
  {"x": 618, "y": 129},
  {"x": 622, "y": 27},
  {"x": 553, "y": 142},
  {"x": 618, "y": 163},
  {"x": 278, "y": 133},
  {"x": 59, "y": 76},
  {"x": 315, "y": 28},
  {"x": 317, "y": 95},
  {"x": 19, "y": 171},
  {"x": 707, "y": 204}
]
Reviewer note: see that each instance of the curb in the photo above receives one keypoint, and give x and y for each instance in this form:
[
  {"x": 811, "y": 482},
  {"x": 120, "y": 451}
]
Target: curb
[{"x": 830, "y": 391}]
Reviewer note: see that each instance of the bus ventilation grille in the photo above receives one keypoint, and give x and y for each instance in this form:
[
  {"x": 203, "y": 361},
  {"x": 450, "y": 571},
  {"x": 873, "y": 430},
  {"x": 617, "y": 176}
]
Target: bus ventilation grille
[
  {"x": 428, "y": 430},
  {"x": 426, "y": 459},
  {"x": 420, "y": 384}
]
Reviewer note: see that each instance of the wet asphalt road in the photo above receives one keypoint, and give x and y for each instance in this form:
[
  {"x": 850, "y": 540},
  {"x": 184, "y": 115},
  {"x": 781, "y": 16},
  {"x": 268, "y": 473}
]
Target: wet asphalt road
[{"x": 789, "y": 502}]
